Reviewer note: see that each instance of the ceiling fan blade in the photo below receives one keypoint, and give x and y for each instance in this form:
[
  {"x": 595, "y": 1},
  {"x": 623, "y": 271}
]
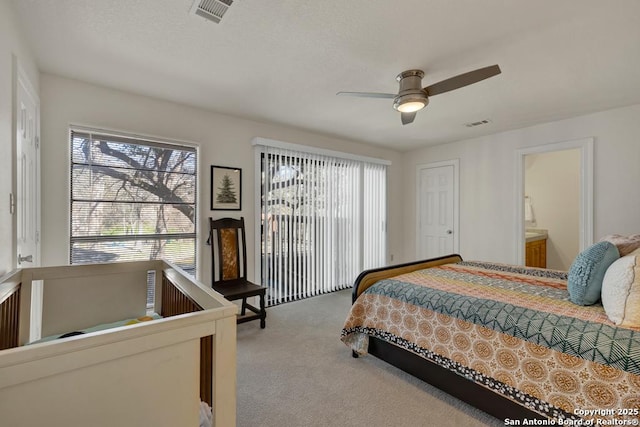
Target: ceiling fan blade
[
  {"x": 369, "y": 94},
  {"x": 462, "y": 80},
  {"x": 407, "y": 117}
]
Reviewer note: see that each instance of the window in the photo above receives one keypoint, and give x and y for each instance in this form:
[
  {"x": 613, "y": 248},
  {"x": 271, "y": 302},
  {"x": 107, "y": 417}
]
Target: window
[
  {"x": 323, "y": 221},
  {"x": 132, "y": 199}
]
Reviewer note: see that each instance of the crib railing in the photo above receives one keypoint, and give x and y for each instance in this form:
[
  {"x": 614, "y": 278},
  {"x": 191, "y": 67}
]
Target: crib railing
[
  {"x": 9, "y": 314},
  {"x": 174, "y": 302},
  {"x": 103, "y": 293}
]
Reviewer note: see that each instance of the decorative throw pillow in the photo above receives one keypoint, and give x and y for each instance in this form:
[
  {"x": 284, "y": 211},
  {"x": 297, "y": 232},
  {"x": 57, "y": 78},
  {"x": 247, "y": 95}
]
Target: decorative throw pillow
[
  {"x": 621, "y": 291},
  {"x": 587, "y": 271},
  {"x": 625, "y": 244}
]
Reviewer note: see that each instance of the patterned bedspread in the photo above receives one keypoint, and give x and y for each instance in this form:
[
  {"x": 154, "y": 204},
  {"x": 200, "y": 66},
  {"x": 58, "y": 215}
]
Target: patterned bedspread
[{"x": 511, "y": 329}]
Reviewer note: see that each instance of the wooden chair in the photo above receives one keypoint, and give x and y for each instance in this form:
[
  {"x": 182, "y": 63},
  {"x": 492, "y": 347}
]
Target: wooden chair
[{"x": 227, "y": 238}]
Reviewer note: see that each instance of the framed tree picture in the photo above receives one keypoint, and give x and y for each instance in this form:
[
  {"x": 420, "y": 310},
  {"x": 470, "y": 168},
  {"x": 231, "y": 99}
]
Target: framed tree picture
[{"x": 226, "y": 188}]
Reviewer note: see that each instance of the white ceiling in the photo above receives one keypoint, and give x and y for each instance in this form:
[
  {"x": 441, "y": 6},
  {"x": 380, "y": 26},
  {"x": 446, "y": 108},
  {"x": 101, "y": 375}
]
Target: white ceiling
[{"x": 283, "y": 61}]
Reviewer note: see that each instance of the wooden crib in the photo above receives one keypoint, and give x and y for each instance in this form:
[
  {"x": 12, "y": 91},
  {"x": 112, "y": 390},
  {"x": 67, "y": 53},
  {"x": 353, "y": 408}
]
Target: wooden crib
[{"x": 152, "y": 373}]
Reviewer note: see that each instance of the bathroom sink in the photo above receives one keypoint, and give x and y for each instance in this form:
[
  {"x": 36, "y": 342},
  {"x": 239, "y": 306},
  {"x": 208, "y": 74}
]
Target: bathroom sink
[{"x": 533, "y": 235}]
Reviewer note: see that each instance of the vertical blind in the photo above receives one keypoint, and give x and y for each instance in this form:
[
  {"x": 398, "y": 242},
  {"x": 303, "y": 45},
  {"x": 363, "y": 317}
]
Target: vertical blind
[
  {"x": 132, "y": 199},
  {"x": 374, "y": 201},
  {"x": 323, "y": 221}
]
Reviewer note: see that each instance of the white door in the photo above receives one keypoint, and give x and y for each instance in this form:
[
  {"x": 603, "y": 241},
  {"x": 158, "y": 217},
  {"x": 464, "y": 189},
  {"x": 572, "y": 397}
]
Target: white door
[
  {"x": 28, "y": 191},
  {"x": 27, "y": 174},
  {"x": 436, "y": 210}
]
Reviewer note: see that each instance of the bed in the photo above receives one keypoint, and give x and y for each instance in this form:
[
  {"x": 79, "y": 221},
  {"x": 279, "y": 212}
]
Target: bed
[
  {"x": 160, "y": 372},
  {"x": 506, "y": 339}
]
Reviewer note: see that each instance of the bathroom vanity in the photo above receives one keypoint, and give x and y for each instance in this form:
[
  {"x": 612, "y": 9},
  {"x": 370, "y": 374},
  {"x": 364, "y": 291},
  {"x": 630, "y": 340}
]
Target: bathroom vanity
[{"x": 536, "y": 248}]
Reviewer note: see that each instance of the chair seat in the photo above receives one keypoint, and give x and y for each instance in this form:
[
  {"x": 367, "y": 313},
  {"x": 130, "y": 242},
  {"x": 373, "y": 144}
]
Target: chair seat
[
  {"x": 239, "y": 289},
  {"x": 243, "y": 289}
]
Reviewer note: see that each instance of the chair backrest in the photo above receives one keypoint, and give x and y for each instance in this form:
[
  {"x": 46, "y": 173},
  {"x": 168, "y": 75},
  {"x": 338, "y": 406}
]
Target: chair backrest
[{"x": 228, "y": 250}]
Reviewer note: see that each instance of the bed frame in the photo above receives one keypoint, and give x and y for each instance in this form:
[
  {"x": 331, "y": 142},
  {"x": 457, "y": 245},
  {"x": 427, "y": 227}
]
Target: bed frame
[
  {"x": 448, "y": 381},
  {"x": 152, "y": 373}
]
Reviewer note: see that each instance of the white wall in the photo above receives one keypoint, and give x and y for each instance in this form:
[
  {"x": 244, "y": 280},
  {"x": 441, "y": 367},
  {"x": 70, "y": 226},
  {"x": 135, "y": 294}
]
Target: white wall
[
  {"x": 487, "y": 180},
  {"x": 13, "y": 50},
  {"x": 223, "y": 141}
]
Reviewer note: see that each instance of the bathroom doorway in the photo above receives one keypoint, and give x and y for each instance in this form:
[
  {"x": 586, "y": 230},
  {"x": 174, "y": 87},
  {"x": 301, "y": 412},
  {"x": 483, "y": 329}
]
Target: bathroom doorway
[
  {"x": 555, "y": 209},
  {"x": 552, "y": 208}
]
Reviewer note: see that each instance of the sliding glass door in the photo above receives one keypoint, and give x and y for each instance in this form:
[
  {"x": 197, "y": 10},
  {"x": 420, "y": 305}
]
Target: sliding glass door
[{"x": 322, "y": 221}]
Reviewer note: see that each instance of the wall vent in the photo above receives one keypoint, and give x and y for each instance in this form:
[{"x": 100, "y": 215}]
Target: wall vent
[
  {"x": 479, "y": 123},
  {"x": 213, "y": 10}
]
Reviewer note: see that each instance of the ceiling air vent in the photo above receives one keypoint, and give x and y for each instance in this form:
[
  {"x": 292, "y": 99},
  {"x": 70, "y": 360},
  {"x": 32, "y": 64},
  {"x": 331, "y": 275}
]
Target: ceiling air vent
[
  {"x": 213, "y": 10},
  {"x": 474, "y": 124}
]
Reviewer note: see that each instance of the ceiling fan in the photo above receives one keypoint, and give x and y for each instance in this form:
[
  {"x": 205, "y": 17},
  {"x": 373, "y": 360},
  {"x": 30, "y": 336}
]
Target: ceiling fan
[{"x": 412, "y": 97}]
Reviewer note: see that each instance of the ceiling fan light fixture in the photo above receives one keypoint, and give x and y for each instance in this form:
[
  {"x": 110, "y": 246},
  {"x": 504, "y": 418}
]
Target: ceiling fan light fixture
[
  {"x": 410, "y": 107},
  {"x": 410, "y": 103}
]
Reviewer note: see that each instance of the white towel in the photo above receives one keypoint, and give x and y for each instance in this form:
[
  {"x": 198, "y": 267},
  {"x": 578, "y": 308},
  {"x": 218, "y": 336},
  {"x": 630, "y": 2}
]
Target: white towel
[
  {"x": 205, "y": 415},
  {"x": 528, "y": 209}
]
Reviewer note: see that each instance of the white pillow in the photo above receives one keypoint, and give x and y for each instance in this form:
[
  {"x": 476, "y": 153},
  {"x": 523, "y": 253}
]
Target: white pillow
[{"x": 621, "y": 290}]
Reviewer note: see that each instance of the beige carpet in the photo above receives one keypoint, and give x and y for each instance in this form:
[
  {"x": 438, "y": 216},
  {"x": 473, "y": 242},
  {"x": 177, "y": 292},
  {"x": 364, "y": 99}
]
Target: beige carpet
[{"x": 297, "y": 373}]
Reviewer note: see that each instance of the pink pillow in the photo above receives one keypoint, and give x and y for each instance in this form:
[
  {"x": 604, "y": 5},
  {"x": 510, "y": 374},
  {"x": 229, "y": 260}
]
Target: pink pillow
[{"x": 625, "y": 244}]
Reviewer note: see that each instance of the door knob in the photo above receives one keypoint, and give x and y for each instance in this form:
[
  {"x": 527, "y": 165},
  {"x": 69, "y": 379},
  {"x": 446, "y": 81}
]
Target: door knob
[
  {"x": 449, "y": 231},
  {"x": 28, "y": 258}
]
